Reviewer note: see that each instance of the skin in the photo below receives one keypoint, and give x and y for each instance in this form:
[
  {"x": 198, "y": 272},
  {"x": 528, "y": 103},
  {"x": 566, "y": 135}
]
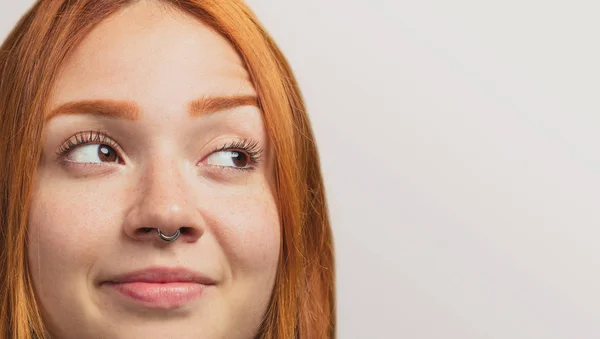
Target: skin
[{"x": 89, "y": 214}]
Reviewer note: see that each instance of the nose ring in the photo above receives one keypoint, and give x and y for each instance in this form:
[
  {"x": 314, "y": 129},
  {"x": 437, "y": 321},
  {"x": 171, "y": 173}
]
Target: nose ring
[{"x": 169, "y": 238}]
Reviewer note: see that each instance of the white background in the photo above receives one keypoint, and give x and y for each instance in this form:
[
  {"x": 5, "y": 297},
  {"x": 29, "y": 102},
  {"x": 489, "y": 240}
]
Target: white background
[{"x": 459, "y": 142}]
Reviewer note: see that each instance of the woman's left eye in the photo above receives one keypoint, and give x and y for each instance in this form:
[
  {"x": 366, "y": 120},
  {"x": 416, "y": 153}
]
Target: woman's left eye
[{"x": 234, "y": 159}]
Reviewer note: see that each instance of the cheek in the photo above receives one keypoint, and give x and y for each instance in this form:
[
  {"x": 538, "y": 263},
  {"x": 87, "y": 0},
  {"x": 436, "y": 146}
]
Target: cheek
[
  {"x": 247, "y": 229},
  {"x": 67, "y": 229}
]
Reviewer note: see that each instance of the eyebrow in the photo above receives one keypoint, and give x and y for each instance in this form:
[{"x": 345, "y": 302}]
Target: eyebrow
[{"x": 129, "y": 110}]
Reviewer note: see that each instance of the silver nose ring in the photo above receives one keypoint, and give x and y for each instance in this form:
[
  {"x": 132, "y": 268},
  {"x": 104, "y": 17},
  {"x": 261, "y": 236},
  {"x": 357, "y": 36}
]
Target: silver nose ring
[{"x": 169, "y": 238}]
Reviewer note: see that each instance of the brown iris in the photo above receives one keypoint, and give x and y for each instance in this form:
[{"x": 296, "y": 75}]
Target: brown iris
[
  {"x": 239, "y": 159},
  {"x": 107, "y": 153}
]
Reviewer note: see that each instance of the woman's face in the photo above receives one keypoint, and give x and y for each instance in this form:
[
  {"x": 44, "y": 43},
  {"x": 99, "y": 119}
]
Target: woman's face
[{"x": 171, "y": 139}]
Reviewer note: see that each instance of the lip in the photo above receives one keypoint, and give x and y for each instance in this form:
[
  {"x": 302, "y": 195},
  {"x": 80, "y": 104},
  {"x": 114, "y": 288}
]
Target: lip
[{"x": 161, "y": 287}]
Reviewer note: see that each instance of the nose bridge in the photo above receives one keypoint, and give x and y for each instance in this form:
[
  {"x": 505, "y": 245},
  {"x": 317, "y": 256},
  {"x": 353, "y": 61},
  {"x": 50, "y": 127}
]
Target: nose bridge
[{"x": 164, "y": 193}]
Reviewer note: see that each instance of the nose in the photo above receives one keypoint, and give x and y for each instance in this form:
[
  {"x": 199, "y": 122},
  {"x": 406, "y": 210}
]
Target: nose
[{"x": 162, "y": 200}]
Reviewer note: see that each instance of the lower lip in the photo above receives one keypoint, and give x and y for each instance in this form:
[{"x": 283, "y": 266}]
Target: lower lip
[{"x": 160, "y": 295}]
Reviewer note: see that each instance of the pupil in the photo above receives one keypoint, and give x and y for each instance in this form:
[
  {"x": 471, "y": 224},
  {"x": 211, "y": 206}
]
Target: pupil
[{"x": 239, "y": 159}]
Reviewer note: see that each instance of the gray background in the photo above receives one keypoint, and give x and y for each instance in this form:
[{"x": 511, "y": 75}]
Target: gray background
[{"x": 459, "y": 142}]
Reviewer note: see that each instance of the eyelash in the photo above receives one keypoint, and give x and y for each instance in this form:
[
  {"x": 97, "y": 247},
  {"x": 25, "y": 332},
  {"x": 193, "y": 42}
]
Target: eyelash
[
  {"x": 87, "y": 137},
  {"x": 249, "y": 147}
]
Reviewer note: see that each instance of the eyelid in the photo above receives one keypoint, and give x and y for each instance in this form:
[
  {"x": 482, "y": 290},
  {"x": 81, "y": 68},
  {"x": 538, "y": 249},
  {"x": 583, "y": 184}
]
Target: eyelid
[
  {"x": 247, "y": 146},
  {"x": 250, "y": 147},
  {"x": 89, "y": 137}
]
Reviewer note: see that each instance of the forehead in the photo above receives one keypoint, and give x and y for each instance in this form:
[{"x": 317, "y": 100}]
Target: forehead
[{"x": 159, "y": 57}]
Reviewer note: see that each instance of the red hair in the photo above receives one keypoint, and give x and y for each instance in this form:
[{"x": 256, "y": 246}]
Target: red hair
[{"x": 303, "y": 300}]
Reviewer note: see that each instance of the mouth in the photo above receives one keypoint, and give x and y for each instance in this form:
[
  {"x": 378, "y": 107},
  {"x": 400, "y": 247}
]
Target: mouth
[
  {"x": 159, "y": 295},
  {"x": 160, "y": 287}
]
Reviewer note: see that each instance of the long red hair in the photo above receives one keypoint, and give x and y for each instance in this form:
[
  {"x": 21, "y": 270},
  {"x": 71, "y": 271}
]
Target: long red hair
[{"x": 303, "y": 300}]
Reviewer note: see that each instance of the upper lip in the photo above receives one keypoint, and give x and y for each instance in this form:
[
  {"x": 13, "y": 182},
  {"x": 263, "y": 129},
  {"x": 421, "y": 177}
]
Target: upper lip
[{"x": 163, "y": 275}]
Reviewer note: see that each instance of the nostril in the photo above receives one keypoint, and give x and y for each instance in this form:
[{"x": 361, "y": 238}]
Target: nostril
[{"x": 146, "y": 229}]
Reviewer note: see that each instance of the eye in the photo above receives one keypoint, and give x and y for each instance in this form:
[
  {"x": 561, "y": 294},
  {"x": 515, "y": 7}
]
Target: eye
[
  {"x": 239, "y": 155},
  {"x": 234, "y": 159},
  {"x": 93, "y": 153},
  {"x": 90, "y": 147}
]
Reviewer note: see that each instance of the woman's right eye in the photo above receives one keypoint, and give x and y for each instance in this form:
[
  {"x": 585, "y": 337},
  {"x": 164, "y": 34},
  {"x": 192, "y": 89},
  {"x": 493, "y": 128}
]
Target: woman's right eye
[{"x": 93, "y": 153}]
